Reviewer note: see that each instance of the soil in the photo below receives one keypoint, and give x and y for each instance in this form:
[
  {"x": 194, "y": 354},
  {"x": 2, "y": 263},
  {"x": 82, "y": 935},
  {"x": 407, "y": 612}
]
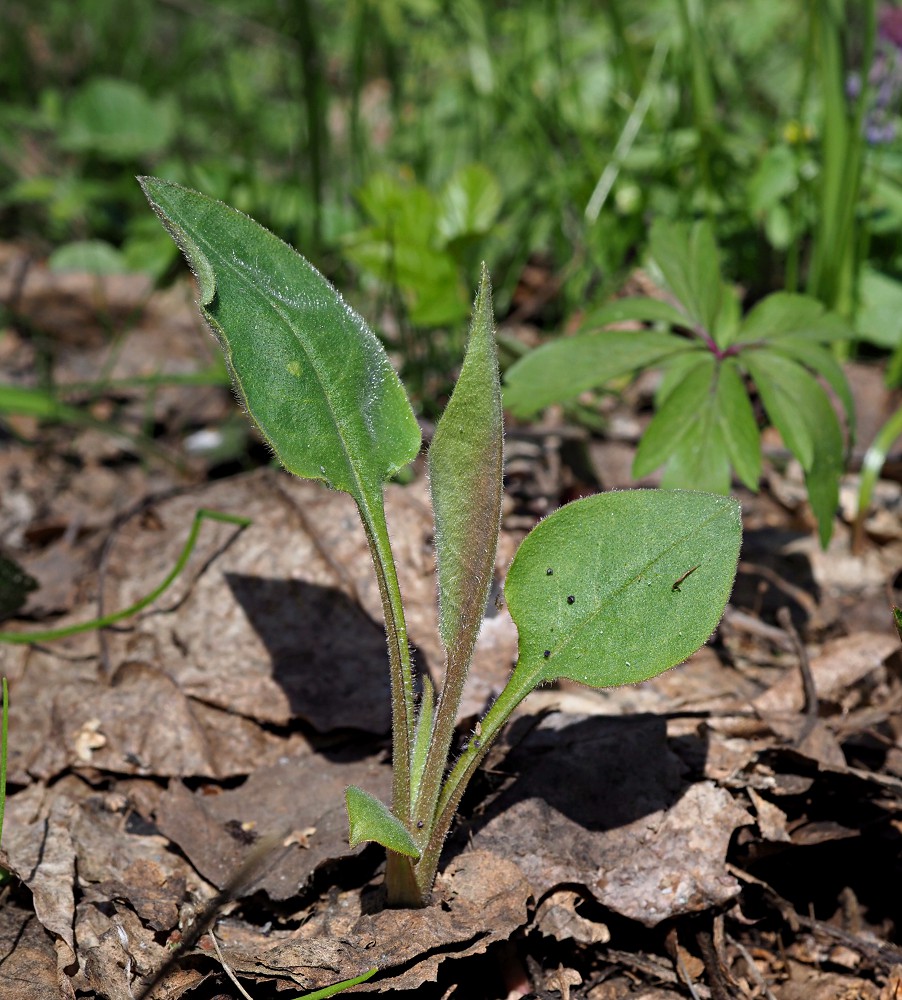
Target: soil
[{"x": 175, "y": 819}]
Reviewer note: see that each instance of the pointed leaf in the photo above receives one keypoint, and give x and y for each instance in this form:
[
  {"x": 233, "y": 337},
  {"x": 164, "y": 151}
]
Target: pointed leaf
[
  {"x": 688, "y": 260},
  {"x": 700, "y": 461},
  {"x": 822, "y": 479},
  {"x": 616, "y": 588},
  {"x": 562, "y": 369},
  {"x": 738, "y": 426},
  {"x": 680, "y": 410},
  {"x": 371, "y": 819},
  {"x": 788, "y": 314},
  {"x": 822, "y": 361},
  {"x": 637, "y": 309},
  {"x": 465, "y": 471},
  {"x": 788, "y": 392},
  {"x": 313, "y": 376}
]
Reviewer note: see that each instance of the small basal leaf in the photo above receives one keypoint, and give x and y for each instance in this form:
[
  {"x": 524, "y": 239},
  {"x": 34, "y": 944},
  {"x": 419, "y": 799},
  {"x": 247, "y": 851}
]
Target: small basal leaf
[
  {"x": 616, "y": 588},
  {"x": 313, "y": 376},
  {"x": 563, "y": 368},
  {"x": 372, "y": 820}
]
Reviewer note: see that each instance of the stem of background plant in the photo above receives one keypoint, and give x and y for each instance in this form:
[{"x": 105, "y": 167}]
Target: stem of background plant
[
  {"x": 832, "y": 275},
  {"x": 402, "y": 701},
  {"x": 456, "y": 783},
  {"x": 702, "y": 94},
  {"x": 874, "y": 460}
]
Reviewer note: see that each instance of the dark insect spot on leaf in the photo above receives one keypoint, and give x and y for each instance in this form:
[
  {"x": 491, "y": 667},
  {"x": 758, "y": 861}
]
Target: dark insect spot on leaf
[
  {"x": 476, "y": 743},
  {"x": 571, "y": 599},
  {"x": 549, "y": 572},
  {"x": 420, "y": 824},
  {"x": 547, "y": 653},
  {"x": 689, "y": 572}
]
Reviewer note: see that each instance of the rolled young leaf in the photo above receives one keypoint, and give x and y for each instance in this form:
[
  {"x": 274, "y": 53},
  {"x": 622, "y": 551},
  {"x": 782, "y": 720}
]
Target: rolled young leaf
[{"x": 465, "y": 479}]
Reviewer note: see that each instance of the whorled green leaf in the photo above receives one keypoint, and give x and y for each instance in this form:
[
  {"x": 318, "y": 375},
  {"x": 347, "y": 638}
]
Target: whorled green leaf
[
  {"x": 465, "y": 472},
  {"x": 823, "y": 361},
  {"x": 688, "y": 261},
  {"x": 563, "y": 368},
  {"x": 679, "y": 411},
  {"x": 313, "y": 376},
  {"x": 822, "y": 479},
  {"x": 372, "y": 820},
  {"x": 786, "y": 314},
  {"x": 788, "y": 393},
  {"x": 700, "y": 460},
  {"x": 736, "y": 418},
  {"x": 639, "y": 309},
  {"x": 615, "y": 588}
]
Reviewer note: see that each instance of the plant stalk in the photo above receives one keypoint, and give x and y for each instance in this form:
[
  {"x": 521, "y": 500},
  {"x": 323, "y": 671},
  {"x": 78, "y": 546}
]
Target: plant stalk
[{"x": 376, "y": 529}]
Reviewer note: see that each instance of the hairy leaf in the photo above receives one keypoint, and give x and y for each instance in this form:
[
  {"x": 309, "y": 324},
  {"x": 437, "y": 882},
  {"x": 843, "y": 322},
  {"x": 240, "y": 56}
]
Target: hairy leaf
[
  {"x": 562, "y": 369},
  {"x": 615, "y": 588},
  {"x": 465, "y": 471},
  {"x": 313, "y": 376},
  {"x": 371, "y": 819}
]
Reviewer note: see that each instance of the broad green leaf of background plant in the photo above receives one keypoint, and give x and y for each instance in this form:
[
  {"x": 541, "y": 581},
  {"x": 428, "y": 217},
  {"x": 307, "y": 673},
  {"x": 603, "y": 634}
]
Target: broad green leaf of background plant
[
  {"x": 801, "y": 411},
  {"x": 601, "y": 591},
  {"x": 786, "y": 314},
  {"x": 738, "y": 426},
  {"x": 372, "y": 820},
  {"x": 562, "y": 369},
  {"x": 639, "y": 309},
  {"x": 688, "y": 260},
  {"x": 313, "y": 376},
  {"x": 679, "y": 411},
  {"x": 468, "y": 204},
  {"x": 465, "y": 472}
]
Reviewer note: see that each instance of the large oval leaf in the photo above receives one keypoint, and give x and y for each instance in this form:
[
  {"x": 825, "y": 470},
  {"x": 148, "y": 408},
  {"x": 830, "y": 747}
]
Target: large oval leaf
[
  {"x": 618, "y": 587},
  {"x": 314, "y": 377}
]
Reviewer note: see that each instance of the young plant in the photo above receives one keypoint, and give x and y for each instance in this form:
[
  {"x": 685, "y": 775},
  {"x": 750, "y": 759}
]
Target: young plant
[
  {"x": 705, "y": 423},
  {"x": 608, "y": 590}
]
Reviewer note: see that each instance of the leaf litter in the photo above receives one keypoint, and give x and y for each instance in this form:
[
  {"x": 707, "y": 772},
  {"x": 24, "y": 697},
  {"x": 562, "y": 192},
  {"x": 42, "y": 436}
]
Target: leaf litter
[{"x": 708, "y": 831}]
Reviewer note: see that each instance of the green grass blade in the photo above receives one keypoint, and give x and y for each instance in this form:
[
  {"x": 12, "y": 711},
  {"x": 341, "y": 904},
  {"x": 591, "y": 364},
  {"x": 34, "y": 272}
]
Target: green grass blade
[
  {"x": 330, "y": 991},
  {"x": 49, "y": 635}
]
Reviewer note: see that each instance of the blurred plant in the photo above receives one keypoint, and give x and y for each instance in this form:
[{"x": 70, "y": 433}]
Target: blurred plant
[
  {"x": 871, "y": 466},
  {"x": 705, "y": 424}
]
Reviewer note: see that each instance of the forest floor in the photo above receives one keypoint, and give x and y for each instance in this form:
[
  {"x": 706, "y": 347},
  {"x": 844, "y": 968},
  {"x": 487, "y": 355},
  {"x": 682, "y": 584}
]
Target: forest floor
[{"x": 731, "y": 829}]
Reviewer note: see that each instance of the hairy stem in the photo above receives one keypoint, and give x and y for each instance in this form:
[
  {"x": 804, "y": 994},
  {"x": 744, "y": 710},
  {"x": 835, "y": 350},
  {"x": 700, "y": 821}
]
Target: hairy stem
[{"x": 376, "y": 528}]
